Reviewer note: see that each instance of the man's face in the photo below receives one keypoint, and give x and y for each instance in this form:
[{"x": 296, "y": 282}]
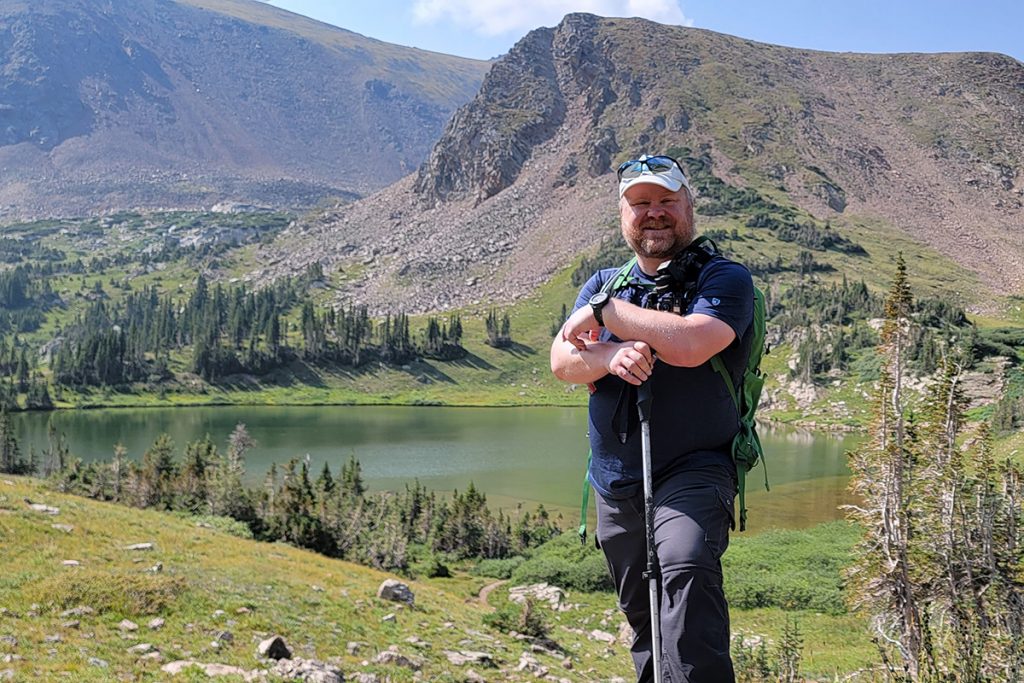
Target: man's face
[{"x": 656, "y": 223}]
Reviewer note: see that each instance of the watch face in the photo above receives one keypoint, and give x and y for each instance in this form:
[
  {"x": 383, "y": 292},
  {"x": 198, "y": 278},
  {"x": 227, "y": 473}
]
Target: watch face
[{"x": 599, "y": 299}]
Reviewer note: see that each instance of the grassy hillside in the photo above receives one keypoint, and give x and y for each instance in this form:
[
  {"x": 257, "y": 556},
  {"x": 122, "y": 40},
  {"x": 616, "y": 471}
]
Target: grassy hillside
[
  {"x": 212, "y": 584},
  {"x": 105, "y": 259}
]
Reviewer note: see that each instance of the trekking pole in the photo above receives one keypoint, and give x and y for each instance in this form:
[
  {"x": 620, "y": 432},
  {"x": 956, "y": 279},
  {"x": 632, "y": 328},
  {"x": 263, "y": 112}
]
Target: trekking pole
[{"x": 643, "y": 405}]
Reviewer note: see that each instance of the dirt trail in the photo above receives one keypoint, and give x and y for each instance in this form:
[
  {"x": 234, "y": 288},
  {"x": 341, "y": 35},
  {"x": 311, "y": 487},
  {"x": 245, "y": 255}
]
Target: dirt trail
[{"x": 486, "y": 591}]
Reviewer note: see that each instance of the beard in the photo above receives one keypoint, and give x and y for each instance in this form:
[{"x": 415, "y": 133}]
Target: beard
[{"x": 670, "y": 239}]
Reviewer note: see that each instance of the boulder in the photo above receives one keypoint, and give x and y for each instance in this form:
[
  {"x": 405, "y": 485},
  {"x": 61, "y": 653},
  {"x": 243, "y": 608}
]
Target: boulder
[
  {"x": 309, "y": 670},
  {"x": 464, "y": 657},
  {"x": 363, "y": 677},
  {"x": 393, "y": 657},
  {"x": 274, "y": 648},
  {"x": 529, "y": 664},
  {"x": 540, "y": 592},
  {"x": 396, "y": 591},
  {"x": 212, "y": 670}
]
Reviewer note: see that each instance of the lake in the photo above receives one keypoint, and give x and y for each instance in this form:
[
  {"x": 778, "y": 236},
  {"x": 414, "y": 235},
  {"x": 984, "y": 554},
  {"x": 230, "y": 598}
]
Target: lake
[{"x": 528, "y": 455}]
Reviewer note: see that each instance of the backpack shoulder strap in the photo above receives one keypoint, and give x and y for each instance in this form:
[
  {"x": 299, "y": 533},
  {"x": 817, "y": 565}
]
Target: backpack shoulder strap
[
  {"x": 719, "y": 366},
  {"x": 621, "y": 278}
]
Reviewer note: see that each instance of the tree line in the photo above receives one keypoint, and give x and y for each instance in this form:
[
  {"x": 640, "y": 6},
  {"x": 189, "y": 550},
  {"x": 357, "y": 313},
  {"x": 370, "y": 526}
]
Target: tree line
[
  {"x": 234, "y": 329},
  {"x": 330, "y": 512},
  {"x": 218, "y": 330}
]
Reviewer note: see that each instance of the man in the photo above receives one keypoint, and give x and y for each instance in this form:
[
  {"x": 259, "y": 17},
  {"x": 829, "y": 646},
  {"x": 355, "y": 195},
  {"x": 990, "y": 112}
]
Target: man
[{"x": 617, "y": 342}]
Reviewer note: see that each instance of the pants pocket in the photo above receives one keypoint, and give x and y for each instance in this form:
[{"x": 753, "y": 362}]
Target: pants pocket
[{"x": 718, "y": 533}]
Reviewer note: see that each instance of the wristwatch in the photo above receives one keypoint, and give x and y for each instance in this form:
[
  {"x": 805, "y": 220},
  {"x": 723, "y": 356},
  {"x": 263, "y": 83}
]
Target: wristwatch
[{"x": 597, "y": 302}]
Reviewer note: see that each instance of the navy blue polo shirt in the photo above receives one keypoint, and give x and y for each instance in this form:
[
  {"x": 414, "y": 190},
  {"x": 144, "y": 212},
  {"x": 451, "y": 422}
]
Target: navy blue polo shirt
[{"x": 693, "y": 417}]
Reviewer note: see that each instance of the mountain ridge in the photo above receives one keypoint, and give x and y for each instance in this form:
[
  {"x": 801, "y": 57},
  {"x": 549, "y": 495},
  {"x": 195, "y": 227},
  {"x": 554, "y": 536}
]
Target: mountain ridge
[
  {"x": 184, "y": 104},
  {"x": 518, "y": 185}
]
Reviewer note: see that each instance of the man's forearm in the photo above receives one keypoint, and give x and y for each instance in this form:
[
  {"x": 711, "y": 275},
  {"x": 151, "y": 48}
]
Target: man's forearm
[
  {"x": 685, "y": 341},
  {"x": 569, "y": 364}
]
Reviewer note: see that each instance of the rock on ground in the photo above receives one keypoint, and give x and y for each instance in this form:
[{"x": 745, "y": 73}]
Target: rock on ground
[
  {"x": 396, "y": 591},
  {"x": 309, "y": 670},
  {"x": 212, "y": 670},
  {"x": 274, "y": 648},
  {"x": 463, "y": 657},
  {"x": 393, "y": 657},
  {"x": 541, "y": 592}
]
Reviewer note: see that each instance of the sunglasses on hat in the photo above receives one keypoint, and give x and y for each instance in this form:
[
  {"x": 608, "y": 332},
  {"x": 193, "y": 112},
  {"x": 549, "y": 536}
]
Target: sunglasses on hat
[{"x": 637, "y": 167}]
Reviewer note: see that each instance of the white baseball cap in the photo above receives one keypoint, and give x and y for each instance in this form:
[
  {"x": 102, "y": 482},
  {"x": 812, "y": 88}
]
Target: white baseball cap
[{"x": 657, "y": 170}]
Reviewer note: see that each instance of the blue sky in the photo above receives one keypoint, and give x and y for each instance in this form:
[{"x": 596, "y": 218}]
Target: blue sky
[{"x": 487, "y": 28}]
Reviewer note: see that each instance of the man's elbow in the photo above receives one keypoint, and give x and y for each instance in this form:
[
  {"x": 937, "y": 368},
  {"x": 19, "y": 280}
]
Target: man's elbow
[{"x": 559, "y": 361}]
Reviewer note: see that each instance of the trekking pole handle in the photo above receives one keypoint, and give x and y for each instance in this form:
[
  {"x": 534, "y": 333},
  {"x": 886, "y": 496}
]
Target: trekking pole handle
[{"x": 644, "y": 398}]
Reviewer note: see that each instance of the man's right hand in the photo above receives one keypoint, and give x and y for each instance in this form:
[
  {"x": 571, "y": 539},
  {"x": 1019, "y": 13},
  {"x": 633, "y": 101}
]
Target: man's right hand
[{"x": 633, "y": 362}]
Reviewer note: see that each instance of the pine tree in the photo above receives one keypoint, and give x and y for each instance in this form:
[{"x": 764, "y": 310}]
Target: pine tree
[
  {"x": 294, "y": 513},
  {"x": 158, "y": 473},
  {"x": 226, "y": 493},
  {"x": 57, "y": 454},
  {"x": 499, "y": 329},
  {"x": 938, "y": 569},
  {"x": 351, "y": 479},
  {"x": 11, "y": 461},
  {"x": 192, "y": 480},
  {"x": 118, "y": 471}
]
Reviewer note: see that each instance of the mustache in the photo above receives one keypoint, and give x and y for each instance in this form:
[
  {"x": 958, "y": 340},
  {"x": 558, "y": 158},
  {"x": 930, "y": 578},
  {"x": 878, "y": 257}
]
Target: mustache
[{"x": 657, "y": 223}]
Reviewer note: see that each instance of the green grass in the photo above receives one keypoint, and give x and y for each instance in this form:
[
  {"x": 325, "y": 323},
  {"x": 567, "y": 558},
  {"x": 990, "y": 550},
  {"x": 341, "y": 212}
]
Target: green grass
[{"x": 212, "y": 581}]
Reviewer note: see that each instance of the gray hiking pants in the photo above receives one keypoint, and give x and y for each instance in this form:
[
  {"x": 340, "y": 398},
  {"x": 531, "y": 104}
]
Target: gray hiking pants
[{"x": 693, "y": 513}]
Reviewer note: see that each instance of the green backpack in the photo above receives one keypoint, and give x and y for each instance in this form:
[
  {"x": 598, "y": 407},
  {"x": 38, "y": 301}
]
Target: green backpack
[{"x": 746, "y": 445}]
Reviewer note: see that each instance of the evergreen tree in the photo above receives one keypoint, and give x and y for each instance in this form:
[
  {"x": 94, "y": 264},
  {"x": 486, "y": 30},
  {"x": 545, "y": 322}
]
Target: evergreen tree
[
  {"x": 351, "y": 479},
  {"x": 226, "y": 493},
  {"x": 11, "y": 461},
  {"x": 938, "y": 569},
  {"x": 158, "y": 474},
  {"x": 57, "y": 455},
  {"x": 192, "y": 480},
  {"x": 118, "y": 471},
  {"x": 294, "y": 512},
  {"x": 499, "y": 329}
]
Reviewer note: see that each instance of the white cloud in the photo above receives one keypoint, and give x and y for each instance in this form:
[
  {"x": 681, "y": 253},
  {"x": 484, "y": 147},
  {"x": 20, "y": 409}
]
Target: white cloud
[{"x": 494, "y": 17}]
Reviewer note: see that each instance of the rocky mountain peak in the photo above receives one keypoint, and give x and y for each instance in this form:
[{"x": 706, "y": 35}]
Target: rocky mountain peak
[
  {"x": 523, "y": 102},
  {"x": 519, "y": 184}
]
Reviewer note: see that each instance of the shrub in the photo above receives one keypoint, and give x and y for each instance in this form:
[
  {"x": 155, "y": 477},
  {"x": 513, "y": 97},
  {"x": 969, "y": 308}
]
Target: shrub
[
  {"x": 565, "y": 562},
  {"x": 429, "y": 566},
  {"x": 498, "y": 569},
  {"x": 226, "y": 524},
  {"x": 791, "y": 569},
  {"x": 118, "y": 592},
  {"x": 523, "y": 618}
]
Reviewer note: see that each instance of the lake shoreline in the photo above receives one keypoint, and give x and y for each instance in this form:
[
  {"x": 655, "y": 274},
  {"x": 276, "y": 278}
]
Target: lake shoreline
[{"x": 378, "y": 401}]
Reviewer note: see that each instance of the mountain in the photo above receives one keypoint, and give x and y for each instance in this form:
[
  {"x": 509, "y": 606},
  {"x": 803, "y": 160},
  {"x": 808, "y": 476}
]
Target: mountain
[
  {"x": 114, "y": 104},
  {"x": 915, "y": 152}
]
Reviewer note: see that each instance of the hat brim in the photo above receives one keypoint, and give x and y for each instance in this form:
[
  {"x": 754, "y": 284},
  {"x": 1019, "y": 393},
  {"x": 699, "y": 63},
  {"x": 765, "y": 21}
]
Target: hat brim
[{"x": 664, "y": 180}]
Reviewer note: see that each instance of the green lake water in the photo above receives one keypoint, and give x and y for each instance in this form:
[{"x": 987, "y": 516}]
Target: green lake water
[{"x": 527, "y": 455}]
